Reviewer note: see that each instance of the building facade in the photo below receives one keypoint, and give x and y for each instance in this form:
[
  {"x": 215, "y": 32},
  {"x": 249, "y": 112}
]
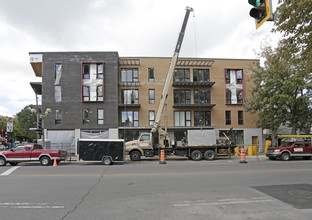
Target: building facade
[{"x": 99, "y": 94}]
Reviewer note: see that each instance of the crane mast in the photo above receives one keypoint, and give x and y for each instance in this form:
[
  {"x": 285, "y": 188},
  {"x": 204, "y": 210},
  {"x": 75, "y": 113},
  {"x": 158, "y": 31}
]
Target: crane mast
[{"x": 169, "y": 78}]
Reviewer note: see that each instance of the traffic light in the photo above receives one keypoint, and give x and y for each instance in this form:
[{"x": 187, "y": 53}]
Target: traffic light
[
  {"x": 39, "y": 123},
  {"x": 1, "y": 133},
  {"x": 261, "y": 12}
]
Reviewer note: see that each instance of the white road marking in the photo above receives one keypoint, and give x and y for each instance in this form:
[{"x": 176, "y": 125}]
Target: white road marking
[
  {"x": 223, "y": 202},
  {"x": 9, "y": 171},
  {"x": 19, "y": 205}
]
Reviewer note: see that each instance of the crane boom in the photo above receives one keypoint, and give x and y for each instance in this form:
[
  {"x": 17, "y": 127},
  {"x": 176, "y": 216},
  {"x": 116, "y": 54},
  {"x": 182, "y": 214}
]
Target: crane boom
[{"x": 168, "y": 81}]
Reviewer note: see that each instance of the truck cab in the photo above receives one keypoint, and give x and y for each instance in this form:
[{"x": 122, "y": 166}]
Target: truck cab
[
  {"x": 148, "y": 145},
  {"x": 291, "y": 148}
]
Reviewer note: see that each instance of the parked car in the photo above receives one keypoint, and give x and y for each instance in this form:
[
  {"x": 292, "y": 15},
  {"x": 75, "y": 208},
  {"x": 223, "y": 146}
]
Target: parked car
[{"x": 31, "y": 152}]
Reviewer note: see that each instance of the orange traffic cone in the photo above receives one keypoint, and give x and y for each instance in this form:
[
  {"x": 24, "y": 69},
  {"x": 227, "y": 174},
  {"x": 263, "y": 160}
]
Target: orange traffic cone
[
  {"x": 162, "y": 157},
  {"x": 243, "y": 156},
  {"x": 55, "y": 163}
]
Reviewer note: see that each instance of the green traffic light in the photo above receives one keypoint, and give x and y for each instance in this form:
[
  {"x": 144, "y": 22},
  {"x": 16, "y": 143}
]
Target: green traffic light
[{"x": 255, "y": 3}]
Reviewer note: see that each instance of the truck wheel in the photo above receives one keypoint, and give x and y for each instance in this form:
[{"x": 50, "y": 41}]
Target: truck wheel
[
  {"x": 196, "y": 155},
  {"x": 107, "y": 161},
  {"x": 210, "y": 155},
  {"x": 2, "y": 161},
  {"x": 285, "y": 156},
  {"x": 13, "y": 163},
  {"x": 135, "y": 155},
  {"x": 45, "y": 161}
]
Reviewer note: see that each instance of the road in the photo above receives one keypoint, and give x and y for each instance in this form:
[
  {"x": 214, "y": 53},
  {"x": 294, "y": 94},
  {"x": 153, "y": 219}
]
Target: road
[{"x": 180, "y": 189}]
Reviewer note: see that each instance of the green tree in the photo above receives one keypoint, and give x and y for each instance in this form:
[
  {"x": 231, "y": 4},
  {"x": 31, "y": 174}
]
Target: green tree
[
  {"x": 25, "y": 120},
  {"x": 293, "y": 18}
]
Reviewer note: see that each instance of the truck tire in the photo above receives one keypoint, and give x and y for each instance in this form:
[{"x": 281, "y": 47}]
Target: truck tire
[
  {"x": 135, "y": 155},
  {"x": 285, "y": 156},
  {"x": 2, "y": 161},
  {"x": 196, "y": 155},
  {"x": 13, "y": 163},
  {"x": 106, "y": 161},
  {"x": 210, "y": 155},
  {"x": 45, "y": 161}
]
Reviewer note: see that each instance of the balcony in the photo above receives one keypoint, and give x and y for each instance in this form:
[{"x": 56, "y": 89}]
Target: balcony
[
  {"x": 193, "y": 84},
  {"x": 129, "y": 105},
  {"x": 206, "y": 105}
]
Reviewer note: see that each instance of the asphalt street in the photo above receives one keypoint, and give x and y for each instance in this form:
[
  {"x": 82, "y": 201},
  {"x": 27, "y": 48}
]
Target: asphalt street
[{"x": 179, "y": 189}]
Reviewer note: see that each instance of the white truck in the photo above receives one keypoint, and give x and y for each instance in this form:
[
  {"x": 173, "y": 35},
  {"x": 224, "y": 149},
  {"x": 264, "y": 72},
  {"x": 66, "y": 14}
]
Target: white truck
[{"x": 197, "y": 145}]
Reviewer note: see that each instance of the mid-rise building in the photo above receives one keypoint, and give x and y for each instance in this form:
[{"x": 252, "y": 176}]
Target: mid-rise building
[{"x": 99, "y": 94}]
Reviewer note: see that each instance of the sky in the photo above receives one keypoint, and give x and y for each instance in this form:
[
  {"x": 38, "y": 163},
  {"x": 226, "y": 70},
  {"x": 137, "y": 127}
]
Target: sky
[{"x": 144, "y": 28}]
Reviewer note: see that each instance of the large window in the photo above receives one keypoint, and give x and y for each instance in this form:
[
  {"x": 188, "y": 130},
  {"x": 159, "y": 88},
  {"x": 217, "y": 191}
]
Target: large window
[
  {"x": 151, "y": 96},
  {"x": 234, "y": 86},
  {"x": 182, "y": 118},
  {"x": 151, "y": 77},
  {"x": 130, "y": 118},
  {"x": 182, "y": 96},
  {"x": 130, "y": 96},
  {"x": 201, "y": 75},
  {"x": 202, "y": 96},
  {"x": 181, "y": 75},
  {"x": 151, "y": 117},
  {"x": 92, "y": 84},
  {"x": 202, "y": 118},
  {"x": 228, "y": 117},
  {"x": 92, "y": 68},
  {"x": 129, "y": 75},
  {"x": 240, "y": 117},
  {"x": 100, "y": 116}
]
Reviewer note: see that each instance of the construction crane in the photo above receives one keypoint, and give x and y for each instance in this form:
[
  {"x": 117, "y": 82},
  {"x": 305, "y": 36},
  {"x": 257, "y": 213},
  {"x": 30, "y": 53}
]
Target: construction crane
[{"x": 174, "y": 59}]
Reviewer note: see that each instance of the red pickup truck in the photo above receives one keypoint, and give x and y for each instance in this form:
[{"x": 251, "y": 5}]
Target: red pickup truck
[
  {"x": 31, "y": 152},
  {"x": 291, "y": 148}
]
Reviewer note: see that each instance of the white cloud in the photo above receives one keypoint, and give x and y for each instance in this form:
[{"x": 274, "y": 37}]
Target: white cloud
[{"x": 220, "y": 29}]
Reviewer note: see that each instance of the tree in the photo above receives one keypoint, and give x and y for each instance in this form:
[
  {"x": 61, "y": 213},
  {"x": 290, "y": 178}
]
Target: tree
[
  {"x": 281, "y": 94},
  {"x": 293, "y": 18},
  {"x": 25, "y": 120}
]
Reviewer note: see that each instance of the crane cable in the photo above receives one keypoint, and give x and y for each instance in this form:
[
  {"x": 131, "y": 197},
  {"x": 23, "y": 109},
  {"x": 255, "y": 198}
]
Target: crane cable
[{"x": 195, "y": 34}]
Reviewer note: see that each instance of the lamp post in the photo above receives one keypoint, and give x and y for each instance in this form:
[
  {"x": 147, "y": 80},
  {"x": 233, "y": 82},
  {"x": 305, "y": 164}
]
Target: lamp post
[{"x": 40, "y": 118}]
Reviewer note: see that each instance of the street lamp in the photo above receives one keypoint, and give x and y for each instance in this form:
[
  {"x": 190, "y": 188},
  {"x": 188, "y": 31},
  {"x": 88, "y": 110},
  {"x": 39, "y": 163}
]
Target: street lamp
[{"x": 40, "y": 118}]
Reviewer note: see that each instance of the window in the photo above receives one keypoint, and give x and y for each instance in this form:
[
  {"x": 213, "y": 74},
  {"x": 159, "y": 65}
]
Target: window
[
  {"x": 58, "y": 73},
  {"x": 182, "y": 118},
  {"x": 85, "y": 116},
  {"x": 181, "y": 75},
  {"x": 228, "y": 96},
  {"x": 151, "y": 117},
  {"x": 201, "y": 75},
  {"x": 234, "y": 86},
  {"x": 228, "y": 117},
  {"x": 151, "y": 77},
  {"x": 100, "y": 116},
  {"x": 86, "y": 93},
  {"x": 182, "y": 96},
  {"x": 145, "y": 137},
  {"x": 239, "y": 94},
  {"x": 99, "y": 93},
  {"x": 129, "y": 75},
  {"x": 202, "y": 118},
  {"x": 240, "y": 117},
  {"x": 58, "y": 116},
  {"x": 86, "y": 71},
  {"x": 202, "y": 96},
  {"x": 130, "y": 96},
  {"x": 100, "y": 71},
  {"x": 130, "y": 118},
  {"x": 151, "y": 96}
]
